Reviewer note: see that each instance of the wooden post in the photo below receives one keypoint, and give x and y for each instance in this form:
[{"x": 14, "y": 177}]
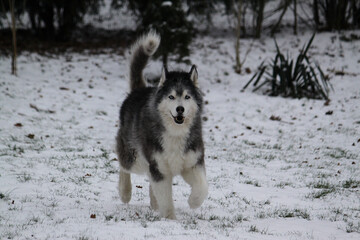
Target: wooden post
[
  {"x": 295, "y": 18},
  {"x": 316, "y": 13},
  {"x": 238, "y": 65},
  {"x": 259, "y": 18},
  {"x": 13, "y": 31}
]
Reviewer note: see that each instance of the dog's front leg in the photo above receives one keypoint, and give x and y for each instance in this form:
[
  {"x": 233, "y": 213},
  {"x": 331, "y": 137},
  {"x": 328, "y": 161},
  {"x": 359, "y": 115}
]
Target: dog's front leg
[
  {"x": 125, "y": 186},
  {"x": 153, "y": 202},
  {"x": 162, "y": 190},
  {"x": 196, "y": 177}
]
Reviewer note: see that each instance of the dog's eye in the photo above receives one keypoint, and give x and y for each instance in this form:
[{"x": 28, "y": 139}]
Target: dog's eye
[
  {"x": 171, "y": 97},
  {"x": 187, "y": 97}
]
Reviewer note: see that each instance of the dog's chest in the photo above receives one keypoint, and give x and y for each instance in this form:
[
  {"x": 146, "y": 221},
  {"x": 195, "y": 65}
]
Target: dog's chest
[{"x": 173, "y": 159}]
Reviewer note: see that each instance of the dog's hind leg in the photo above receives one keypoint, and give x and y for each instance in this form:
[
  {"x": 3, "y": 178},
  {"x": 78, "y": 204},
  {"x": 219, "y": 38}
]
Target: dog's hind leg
[
  {"x": 125, "y": 186},
  {"x": 153, "y": 202},
  {"x": 196, "y": 177}
]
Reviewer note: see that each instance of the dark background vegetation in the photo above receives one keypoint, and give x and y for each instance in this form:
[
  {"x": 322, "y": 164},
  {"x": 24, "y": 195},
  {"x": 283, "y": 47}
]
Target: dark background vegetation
[{"x": 55, "y": 25}]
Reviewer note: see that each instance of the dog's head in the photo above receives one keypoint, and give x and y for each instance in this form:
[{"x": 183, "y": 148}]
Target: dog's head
[{"x": 179, "y": 99}]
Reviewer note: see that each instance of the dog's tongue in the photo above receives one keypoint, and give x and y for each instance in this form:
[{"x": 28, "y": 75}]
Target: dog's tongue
[{"x": 179, "y": 119}]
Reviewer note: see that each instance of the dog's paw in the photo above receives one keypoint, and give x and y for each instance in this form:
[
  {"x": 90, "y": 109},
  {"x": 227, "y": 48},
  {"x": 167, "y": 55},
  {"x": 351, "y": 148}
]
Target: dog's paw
[
  {"x": 125, "y": 198},
  {"x": 195, "y": 200},
  {"x": 172, "y": 217},
  {"x": 153, "y": 204},
  {"x": 125, "y": 194},
  {"x": 169, "y": 214}
]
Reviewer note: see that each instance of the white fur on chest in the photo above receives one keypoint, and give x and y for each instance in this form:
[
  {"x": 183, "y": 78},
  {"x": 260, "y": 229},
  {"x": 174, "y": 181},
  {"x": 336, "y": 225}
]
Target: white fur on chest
[{"x": 173, "y": 159}]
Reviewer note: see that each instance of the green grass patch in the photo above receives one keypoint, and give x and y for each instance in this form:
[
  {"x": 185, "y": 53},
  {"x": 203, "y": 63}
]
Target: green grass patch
[
  {"x": 251, "y": 182},
  {"x": 283, "y": 184},
  {"x": 24, "y": 177},
  {"x": 339, "y": 153},
  {"x": 322, "y": 184},
  {"x": 292, "y": 213},
  {"x": 253, "y": 228},
  {"x": 351, "y": 183},
  {"x": 353, "y": 227},
  {"x": 5, "y": 196},
  {"x": 321, "y": 193}
]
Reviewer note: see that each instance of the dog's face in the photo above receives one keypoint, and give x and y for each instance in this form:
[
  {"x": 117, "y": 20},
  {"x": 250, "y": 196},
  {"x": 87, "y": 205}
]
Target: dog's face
[{"x": 179, "y": 100}]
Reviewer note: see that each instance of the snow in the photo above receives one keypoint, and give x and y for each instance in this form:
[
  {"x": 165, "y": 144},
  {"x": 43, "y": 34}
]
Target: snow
[
  {"x": 166, "y": 4},
  {"x": 298, "y": 178},
  {"x": 110, "y": 18}
]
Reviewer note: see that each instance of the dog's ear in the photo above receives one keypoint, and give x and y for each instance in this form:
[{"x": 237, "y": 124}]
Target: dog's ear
[
  {"x": 194, "y": 75},
  {"x": 164, "y": 73}
]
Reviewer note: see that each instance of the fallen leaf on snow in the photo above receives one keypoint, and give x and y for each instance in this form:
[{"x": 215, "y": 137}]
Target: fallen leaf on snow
[
  {"x": 248, "y": 70},
  {"x": 34, "y": 107},
  {"x": 41, "y": 110},
  {"x": 275, "y": 118},
  {"x": 31, "y": 136}
]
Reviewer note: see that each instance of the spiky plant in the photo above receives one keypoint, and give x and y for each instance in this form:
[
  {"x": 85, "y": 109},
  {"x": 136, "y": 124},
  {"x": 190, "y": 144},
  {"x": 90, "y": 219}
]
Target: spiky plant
[{"x": 286, "y": 79}]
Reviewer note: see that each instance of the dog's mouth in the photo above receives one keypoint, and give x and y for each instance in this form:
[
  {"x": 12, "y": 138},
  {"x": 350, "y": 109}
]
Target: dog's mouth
[{"x": 179, "y": 119}]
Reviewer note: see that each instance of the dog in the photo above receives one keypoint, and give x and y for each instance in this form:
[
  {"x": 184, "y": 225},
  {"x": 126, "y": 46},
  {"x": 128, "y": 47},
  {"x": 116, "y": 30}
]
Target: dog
[{"x": 160, "y": 133}]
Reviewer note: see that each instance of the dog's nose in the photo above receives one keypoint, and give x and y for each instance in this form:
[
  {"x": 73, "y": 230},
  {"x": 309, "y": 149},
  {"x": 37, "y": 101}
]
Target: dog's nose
[{"x": 180, "y": 109}]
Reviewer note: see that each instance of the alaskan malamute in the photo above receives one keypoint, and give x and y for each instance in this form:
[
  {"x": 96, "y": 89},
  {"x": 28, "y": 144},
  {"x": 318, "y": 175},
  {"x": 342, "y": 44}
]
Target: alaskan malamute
[{"x": 160, "y": 132}]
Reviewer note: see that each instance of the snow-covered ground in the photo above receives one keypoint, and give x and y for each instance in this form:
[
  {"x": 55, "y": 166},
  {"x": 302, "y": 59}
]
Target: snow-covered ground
[{"x": 298, "y": 178}]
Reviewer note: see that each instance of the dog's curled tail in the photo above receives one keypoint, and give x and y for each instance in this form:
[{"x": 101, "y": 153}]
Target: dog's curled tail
[{"x": 141, "y": 51}]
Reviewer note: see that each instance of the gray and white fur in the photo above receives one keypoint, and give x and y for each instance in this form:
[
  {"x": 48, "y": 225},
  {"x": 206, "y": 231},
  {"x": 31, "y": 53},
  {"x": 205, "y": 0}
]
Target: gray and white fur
[{"x": 160, "y": 132}]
